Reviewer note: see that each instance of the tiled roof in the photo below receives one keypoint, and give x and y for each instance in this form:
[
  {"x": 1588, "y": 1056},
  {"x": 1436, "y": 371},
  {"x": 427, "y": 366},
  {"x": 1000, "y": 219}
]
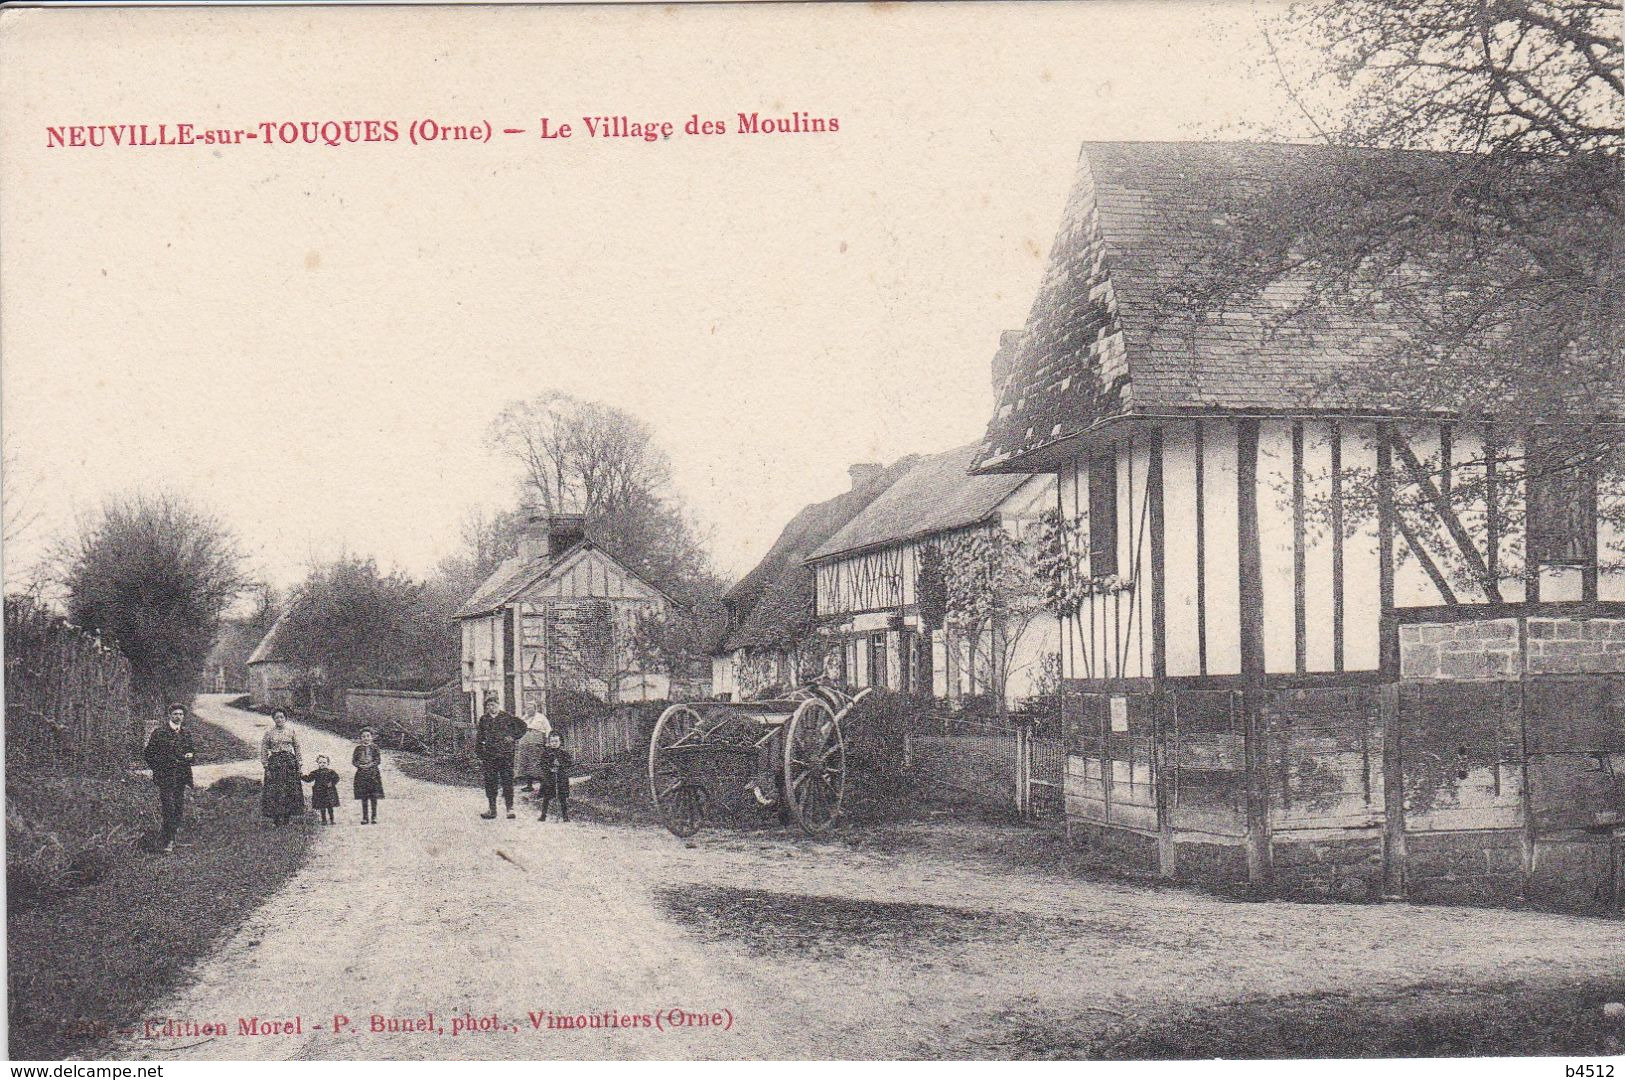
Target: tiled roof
[
  {"x": 936, "y": 495},
  {"x": 510, "y": 578},
  {"x": 1108, "y": 335},
  {"x": 773, "y": 603}
]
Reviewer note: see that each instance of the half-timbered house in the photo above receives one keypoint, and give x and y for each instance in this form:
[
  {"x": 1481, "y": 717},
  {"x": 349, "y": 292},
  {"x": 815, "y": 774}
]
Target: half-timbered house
[
  {"x": 869, "y": 583},
  {"x": 560, "y": 615},
  {"x": 1300, "y": 650},
  {"x": 770, "y": 639}
]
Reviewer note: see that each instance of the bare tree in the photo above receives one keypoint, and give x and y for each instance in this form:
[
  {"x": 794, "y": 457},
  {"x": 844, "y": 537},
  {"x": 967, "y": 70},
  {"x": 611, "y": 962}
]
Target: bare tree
[
  {"x": 589, "y": 458},
  {"x": 580, "y": 456},
  {"x": 19, "y": 510},
  {"x": 1496, "y": 257},
  {"x": 1466, "y": 201}
]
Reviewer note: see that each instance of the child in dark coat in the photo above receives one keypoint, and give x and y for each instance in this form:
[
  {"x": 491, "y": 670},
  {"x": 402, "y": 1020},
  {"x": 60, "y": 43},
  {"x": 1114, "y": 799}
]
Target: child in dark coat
[
  {"x": 555, "y": 778},
  {"x": 369, "y": 781},
  {"x": 324, "y": 788}
]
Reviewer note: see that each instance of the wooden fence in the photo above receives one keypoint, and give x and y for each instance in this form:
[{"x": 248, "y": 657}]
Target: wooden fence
[
  {"x": 69, "y": 698},
  {"x": 617, "y": 734}
]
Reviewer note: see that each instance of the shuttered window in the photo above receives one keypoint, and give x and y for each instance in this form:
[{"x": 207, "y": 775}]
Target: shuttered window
[{"x": 1102, "y": 515}]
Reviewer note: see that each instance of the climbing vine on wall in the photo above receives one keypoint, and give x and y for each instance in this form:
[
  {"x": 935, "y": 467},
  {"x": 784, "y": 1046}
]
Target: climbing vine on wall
[{"x": 1059, "y": 546}]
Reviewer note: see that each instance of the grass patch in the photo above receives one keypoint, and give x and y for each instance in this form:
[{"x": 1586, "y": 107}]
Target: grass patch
[
  {"x": 216, "y": 745},
  {"x": 1505, "y": 1020},
  {"x": 460, "y": 770},
  {"x": 89, "y": 951}
]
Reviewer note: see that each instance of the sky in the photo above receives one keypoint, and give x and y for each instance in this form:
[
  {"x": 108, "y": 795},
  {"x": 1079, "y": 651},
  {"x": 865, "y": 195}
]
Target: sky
[{"x": 310, "y": 341}]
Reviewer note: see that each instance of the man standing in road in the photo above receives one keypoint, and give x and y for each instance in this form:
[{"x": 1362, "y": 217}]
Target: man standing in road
[
  {"x": 495, "y": 737},
  {"x": 169, "y": 754}
]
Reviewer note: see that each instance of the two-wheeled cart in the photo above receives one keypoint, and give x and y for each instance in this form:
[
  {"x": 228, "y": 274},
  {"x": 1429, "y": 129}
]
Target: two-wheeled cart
[{"x": 696, "y": 749}]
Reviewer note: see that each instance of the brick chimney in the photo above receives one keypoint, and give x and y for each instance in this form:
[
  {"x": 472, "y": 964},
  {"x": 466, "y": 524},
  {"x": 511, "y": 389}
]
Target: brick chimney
[
  {"x": 549, "y": 535},
  {"x": 565, "y": 531},
  {"x": 1004, "y": 361},
  {"x": 863, "y": 472},
  {"x": 533, "y": 534}
]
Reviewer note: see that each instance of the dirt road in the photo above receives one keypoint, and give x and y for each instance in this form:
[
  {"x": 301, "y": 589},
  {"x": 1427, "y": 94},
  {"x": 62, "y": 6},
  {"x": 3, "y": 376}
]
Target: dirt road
[{"x": 805, "y": 949}]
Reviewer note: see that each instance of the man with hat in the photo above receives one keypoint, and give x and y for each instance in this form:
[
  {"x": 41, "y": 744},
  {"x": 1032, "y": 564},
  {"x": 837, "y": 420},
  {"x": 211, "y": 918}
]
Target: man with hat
[
  {"x": 169, "y": 754},
  {"x": 495, "y": 737}
]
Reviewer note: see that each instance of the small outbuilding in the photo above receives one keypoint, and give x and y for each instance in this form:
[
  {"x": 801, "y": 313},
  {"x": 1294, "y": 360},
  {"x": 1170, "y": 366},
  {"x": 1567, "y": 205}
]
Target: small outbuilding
[
  {"x": 562, "y": 614},
  {"x": 273, "y": 682}
]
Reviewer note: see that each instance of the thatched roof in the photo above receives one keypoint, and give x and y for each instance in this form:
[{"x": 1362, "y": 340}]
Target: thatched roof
[
  {"x": 773, "y": 604},
  {"x": 937, "y": 495},
  {"x": 266, "y": 652}
]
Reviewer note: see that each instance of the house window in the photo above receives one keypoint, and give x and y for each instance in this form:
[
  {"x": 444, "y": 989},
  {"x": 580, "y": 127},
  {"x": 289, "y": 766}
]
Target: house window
[
  {"x": 849, "y": 662},
  {"x": 877, "y": 661},
  {"x": 1103, "y": 515},
  {"x": 1562, "y": 510}
]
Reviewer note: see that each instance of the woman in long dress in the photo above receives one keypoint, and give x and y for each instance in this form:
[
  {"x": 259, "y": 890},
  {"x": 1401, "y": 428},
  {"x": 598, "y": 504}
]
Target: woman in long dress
[
  {"x": 284, "y": 794},
  {"x": 530, "y": 754}
]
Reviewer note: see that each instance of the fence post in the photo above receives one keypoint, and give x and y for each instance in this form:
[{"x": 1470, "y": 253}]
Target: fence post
[{"x": 1024, "y": 770}]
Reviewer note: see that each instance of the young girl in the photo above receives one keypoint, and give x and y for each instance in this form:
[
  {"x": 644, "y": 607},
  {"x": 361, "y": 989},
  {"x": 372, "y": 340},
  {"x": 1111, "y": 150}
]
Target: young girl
[
  {"x": 369, "y": 783},
  {"x": 324, "y": 790}
]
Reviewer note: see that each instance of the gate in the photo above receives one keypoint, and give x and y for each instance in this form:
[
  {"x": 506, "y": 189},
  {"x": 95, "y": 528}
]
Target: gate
[{"x": 1046, "y": 779}]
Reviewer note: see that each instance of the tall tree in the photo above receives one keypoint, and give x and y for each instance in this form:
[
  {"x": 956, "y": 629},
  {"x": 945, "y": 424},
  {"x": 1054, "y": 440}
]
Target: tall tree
[
  {"x": 153, "y": 574},
  {"x": 1495, "y": 254},
  {"x": 581, "y": 456},
  {"x": 350, "y": 625},
  {"x": 589, "y": 458}
]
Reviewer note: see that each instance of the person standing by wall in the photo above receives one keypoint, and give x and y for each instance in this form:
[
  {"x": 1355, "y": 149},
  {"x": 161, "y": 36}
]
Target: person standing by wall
[
  {"x": 169, "y": 754},
  {"x": 495, "y": 737}
]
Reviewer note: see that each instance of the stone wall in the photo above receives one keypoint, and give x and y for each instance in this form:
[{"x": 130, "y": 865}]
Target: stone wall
[
  {"x": 1459, "y": 650},
  {"x": 1558, "y": 646},
  {"x": 1489, "y": 649}
]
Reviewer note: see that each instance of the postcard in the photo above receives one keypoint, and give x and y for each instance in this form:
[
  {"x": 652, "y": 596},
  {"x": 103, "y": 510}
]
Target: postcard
[{"x": 769, "y": 532}]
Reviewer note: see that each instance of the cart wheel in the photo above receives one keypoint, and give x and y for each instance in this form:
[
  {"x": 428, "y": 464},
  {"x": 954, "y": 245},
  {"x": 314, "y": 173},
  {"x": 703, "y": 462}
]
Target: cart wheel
[
  {"x": 678, "y": 800},
  {"x": 815, "y": 766}
]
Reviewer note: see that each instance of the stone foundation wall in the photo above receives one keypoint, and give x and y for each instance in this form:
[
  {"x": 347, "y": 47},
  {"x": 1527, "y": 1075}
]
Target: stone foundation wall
[
  {"x": 1505, "y": 735},
  {"x": 1345, "y": 868},
  {"x": 1460, "y": 650},
  {"x": 1465, "y": 867},
  {"x": 1571, "y": 646},
  {"x": 1489, "y": 649}
]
